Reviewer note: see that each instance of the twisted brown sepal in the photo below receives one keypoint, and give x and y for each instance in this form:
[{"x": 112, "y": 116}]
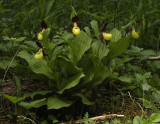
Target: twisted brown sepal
[
  {"x": 139, "y": 21},
  {"x": 103, "y": 30},
  {"x": 68, "y": 28},
  {"x": 75, "y": 19},
  {"x": 104, "y": 27},
  {"x": 83, "y": 29},
  {"x": 43, "y": 25},
  {"x": 44, "y": 53},
  {"x": 129, "y": 30},
  {"x": 101, "y": 37},
  {"x": 40, "y": 46}
]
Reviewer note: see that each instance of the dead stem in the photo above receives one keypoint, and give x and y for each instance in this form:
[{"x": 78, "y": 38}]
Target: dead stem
[
  {"x": 132, "y": 100},
  {"x": 10, "y": 63},
  {"x": 97, "y": 118}
]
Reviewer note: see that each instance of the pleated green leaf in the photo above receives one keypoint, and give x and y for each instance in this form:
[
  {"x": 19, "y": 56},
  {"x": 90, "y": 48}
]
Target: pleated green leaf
[
  {"x": 37, "y": 66},
  {"x": 116, "y": 35},
  {"x": 46, "y": 38},
  {"x": 34, "y": 104},
  {"x": 78, "y": 46},
  {"x": 117, "y": 48},
  {"x": 100, "y": 71},
  {"x": 84, "y": 99},
  {"x": 99, "y": 49},
  {"x": 56, "y": 102},
  {"x": 70, "y": 82},
  {"x": 68, "y": 67},
  {"x": 94, "y": 25}
]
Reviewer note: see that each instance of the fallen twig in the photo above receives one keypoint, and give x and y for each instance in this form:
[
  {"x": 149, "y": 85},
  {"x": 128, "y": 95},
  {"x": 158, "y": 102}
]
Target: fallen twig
[
  {"x": 141, "y": 108},
  {"x": 149, "y": 58},
  {"x": 97, "y": 118},
  {"x": 132, "y": 100}
]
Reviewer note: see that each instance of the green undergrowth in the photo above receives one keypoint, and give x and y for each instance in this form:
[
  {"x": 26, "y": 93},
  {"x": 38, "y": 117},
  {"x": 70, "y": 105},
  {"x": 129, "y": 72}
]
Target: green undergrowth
[{"x": 62, "y": 59}]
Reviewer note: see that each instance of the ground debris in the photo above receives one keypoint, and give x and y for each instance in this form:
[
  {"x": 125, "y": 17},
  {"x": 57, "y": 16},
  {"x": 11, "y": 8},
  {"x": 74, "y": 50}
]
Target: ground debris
[{"x": 97, "y": 118}]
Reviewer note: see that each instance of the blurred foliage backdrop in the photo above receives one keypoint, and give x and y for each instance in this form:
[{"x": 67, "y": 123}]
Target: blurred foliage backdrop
[{"x": 112, "y": 65}]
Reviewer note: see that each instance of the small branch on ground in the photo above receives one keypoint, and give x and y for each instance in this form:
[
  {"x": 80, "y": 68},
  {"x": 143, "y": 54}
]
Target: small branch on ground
[
  {"x": 97, "y": 118},
  {"x": 149, "y": 58},
  {"x": 141, "y": 107},
  {"x": 132, "y": 100}
]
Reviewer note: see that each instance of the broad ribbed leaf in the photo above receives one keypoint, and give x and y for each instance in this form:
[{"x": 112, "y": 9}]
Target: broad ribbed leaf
[
  {"x": 99, "y": 49},
  {"x": 37, "y": 66},
  {"x": 84, "y": 99},
  {"x": 88, "y": 69},
  {"x": 94, "y": 25},
  {"x": 78, "y": 46},
  {"x": 116, "y": 35},
  {"x": 41, "y": 92},
  {"x": 68, "y": 67},
  {"x": 95, "y": 72},
  {"x": 117, "y": 48},
  {"x": 56, "y": 102},
  {"x": 100, "y": 71},
  {"x": 34, "y": 104},
  {"x": 70, "y": 82},
  {"x": 46, "y": 38},
  {"x": 88, "y": 31}
]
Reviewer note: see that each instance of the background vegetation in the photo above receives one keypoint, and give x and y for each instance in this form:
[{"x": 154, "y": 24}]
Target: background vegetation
[{"x": 80, "y": 76}]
